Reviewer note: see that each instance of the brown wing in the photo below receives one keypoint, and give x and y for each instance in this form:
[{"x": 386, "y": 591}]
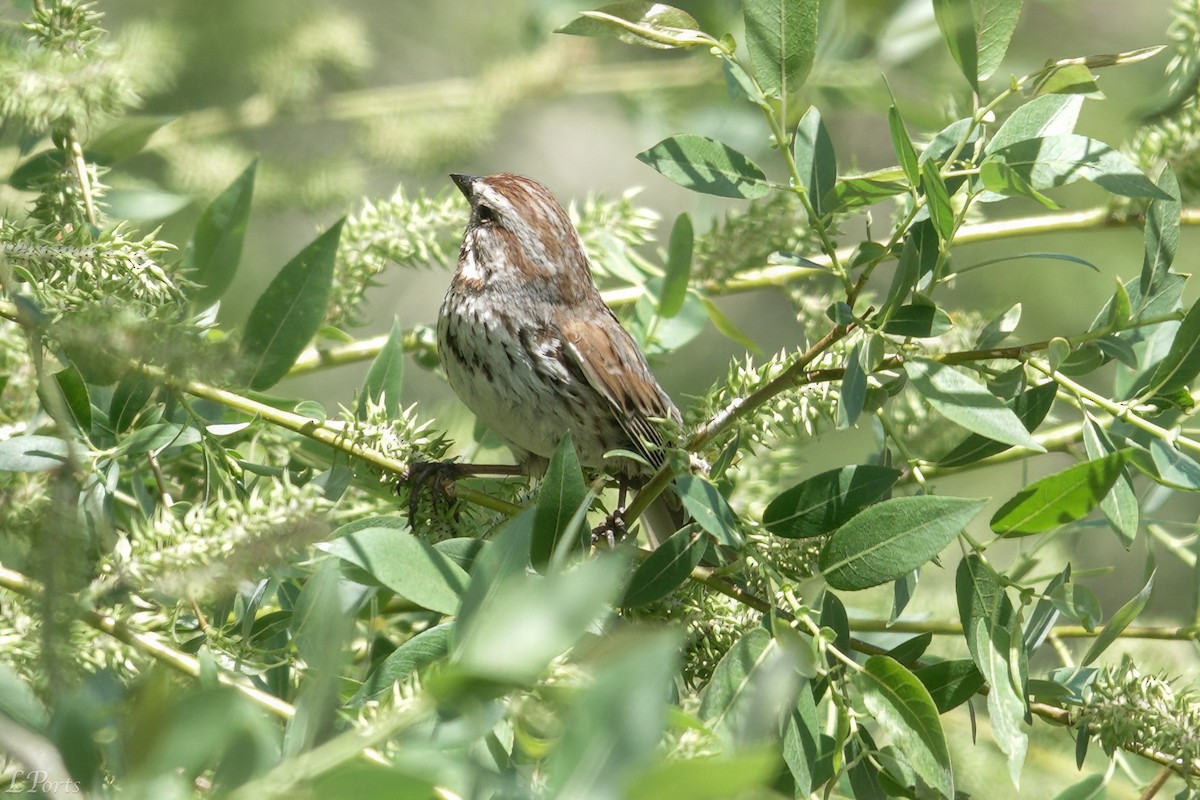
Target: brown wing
[{"x": 614, "y": 366}]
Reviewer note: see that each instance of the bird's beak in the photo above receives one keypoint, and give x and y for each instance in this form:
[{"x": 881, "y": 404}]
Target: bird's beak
[{"x": 464, "y": 183}]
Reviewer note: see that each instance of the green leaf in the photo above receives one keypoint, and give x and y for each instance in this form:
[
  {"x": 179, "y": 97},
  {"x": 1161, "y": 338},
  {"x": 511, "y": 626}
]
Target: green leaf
[
  {"x": 781, "y": 36},
  {"x": 1042, "y": 116},
  {"x": 158, "y": 437},
  {"x": 563, "y": 490},
  {"x": 905, "y": 152},
  {"x": 211, "y": 257},
  {"x": 962, "y": 399},
  {"x": 124, "y": 138},
  {"x": 998, "y": 177},
  {"x": 992, "y": 631},
  {"x": 1006, "y": 703},
  {"x": 34, "y": 453},
  {"x": 19, "y": 704},
  {"x": 886, "y": 541},
  {"x": 908, "y": 651},
  {"x": 1051, "y": 161},
  {"x": 738, "y": 82},
  {"x": 945, "y": 141},
  {"x": 679, "y": 267},
  {"x": 648, "y": 24},
  {"x": 405, "y": 564},
  {"x": 427, "y": 647},
  {"x": 1162, "y": 233},
  {"x": 1020, "y": 256},
  {"x": 706, "y": 505},
  {"x": 1174, "y": 468},
  {"x": 1181, "y": 364},
  {"x": 937, "y": 201},
  {"x": 464, "y": 550},
  {"x": 834, "y": 617},
  {"x": 918, "y": 320},
  {"x": 1079, "y": 603},
  {"x": 823, "y": 502},
  {"x": 865, "y": 773},
  {"x": 802, "y": 742},
  {"x": 1090, "y": 788},
  {"x": 816, "y": 162},
  {"x": 666, "y": 568},
  {"x": 1121, "y": 620},
  {"x": 319, "y": 627},
  {"x": 1120, "y": 505},
  {"x": 363, "y": 779},
  {"x": 1040, "y": 620},
  {"x": 852, "y": 394},
  {"x": 311, "y": 409},
  {"x": 726, "y": 327},
  {"x": 528, "y": 620},
  {"x": 187, "y": 732},
  {"x": 128, "y": 399},
  {"x": 614, "y": 721},
  {"x": 385, "y": 378},
  {"x": 950, "y": 683},
  {"x": 860, "y": 191},
  {"x": 707, "y": 166},
  {"x": 33, "y": 172},
  {"x": 903, "y": 707},
  {"x": 1030, "y": 407},
  {"x": 706, "y": 778},
  {"x": 1070, "y": 79},
  {"x": 995, "y": 21},
  {"x": 506, "y": 557},
  {"x": 903, "y": 589},
  {"x": 661, "y": 335},
  {"x": 75, "y": 394},
  {"x": 918, "y": 258},
  {"x": 981, "y": 596},
  {"x": 1057, "y": 499},
  {"x": 956, "y": 20},
  {"x": 144, "y": 205},
  {"x": 321, "y": 632},
  {"x": 289, "y": 312},
  {"x": 753, "y": 686}
]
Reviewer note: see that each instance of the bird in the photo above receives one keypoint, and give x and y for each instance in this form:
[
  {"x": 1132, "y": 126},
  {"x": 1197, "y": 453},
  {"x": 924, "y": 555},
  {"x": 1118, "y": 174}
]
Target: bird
[{"x": 531, "y": 348}]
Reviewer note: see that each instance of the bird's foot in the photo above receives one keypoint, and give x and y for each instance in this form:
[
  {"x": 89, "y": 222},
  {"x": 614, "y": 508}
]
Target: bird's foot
[
  {"x": 612, "y": 529},
  {"x": 435, "y": 476}
]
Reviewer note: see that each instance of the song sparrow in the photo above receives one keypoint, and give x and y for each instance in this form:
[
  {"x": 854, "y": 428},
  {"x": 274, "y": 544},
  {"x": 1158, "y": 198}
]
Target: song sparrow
[{"x": 528, "y": 343}]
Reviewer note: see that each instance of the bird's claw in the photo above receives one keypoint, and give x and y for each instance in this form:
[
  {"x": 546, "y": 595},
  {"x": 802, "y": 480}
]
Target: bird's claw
[
  {"x": 436, "y": 475},
  {"x": 612, "y": 529}
]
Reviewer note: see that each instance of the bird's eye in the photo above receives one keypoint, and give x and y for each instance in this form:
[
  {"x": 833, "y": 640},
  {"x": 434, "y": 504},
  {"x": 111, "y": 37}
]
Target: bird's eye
[{"x": 485, "y": 214}]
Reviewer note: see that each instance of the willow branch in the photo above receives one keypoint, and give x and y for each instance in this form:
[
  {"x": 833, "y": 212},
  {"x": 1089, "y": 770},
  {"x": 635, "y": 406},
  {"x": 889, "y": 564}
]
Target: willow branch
[
  {"x": 146, "y": 643},
  {"x": 739, "y": 407},
  {"x": 445, "y": 94},
  {"x": 1160, "y": 633},
  {"x": 779, "y": 276},
  {"x": 317, "y": 431}
]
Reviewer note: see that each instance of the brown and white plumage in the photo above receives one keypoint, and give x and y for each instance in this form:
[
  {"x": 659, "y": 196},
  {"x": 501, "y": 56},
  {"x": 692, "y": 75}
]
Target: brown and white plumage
[{"x": 528, "y": 343}]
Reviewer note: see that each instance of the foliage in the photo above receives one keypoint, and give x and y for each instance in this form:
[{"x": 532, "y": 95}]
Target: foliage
[{"x": 209, "y": 587}]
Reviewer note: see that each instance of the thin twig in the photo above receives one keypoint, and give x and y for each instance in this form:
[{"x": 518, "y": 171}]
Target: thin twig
[
  {"x": 1160, "y": 780},
  {"x": 79, "y": 165},
  {"x": 159, "y": 480},
  {"x": 739, "y": 407}
]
